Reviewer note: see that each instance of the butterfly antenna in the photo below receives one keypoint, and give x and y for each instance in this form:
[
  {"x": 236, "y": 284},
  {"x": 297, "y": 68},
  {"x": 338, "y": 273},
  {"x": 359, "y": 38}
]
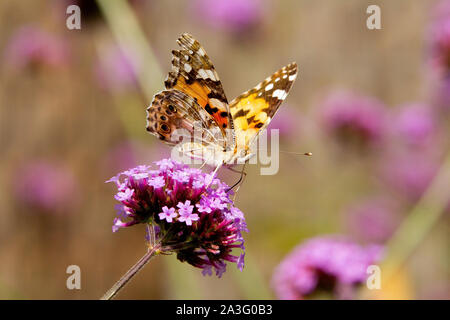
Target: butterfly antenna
[{"x": 309, "y": 154}]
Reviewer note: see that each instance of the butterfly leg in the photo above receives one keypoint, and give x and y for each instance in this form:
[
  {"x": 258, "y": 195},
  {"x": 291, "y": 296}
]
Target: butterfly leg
[
  {"x": 213, "y": 174},
  {"x": 240, "y": 181}
]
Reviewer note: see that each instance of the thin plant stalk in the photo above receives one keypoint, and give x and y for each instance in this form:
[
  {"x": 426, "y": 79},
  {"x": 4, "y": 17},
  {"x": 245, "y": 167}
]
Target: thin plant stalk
[
  {"x": 417, "y": 224},
  {"x": 131, "y": 273}
]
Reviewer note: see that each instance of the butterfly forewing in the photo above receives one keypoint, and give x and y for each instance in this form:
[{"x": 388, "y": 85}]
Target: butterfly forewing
[
  {"x": 253, "y": 110},
  {"x": 194, "y": 74}
]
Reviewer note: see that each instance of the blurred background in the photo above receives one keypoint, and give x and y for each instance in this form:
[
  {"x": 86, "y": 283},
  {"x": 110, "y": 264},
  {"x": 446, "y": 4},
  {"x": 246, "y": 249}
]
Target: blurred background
[{"x": 372, "y": 106}]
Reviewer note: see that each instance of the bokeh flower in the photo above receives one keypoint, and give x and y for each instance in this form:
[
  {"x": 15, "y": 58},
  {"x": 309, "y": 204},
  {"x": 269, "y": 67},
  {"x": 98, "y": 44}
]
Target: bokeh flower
[
  {"x": 415, "y": 125},
  {"x": 408, "y": 173},
  {"x": 235, "y": 16},
  {"x": 439, "y": 43},
  {"x": 117, "y": 69},
  {"x": 439, "y": 54},
  {"x": 46, "y": 186},
  {"x": 32, "y": 46},
  {"x": 288, "y": 121},
  {"x": 353, "y": 119},
  {"x": 192, "y": 210},
  {"x": 324, "y": 265},
  {"x": 373, "y": 220}
]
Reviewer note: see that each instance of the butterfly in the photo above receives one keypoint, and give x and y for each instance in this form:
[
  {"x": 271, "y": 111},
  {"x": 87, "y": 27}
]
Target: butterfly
[{"x": 193, "y": 113}]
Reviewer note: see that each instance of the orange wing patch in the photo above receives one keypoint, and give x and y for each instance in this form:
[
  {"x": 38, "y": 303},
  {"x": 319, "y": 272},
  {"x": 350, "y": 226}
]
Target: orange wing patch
[
  {"x": 194, "y": 74},
  {"x": 200, "y": 93}
]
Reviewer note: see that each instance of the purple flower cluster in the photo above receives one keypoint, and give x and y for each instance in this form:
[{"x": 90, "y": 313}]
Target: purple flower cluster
[
  {"x": 49, "y": 187},
  {"x": 374, "y": 219},
  {"x": 439, "y": 38},
  {"x": 235, "y": 16},
  {"x": 117, "y": 69},
  {"x": 323, "y": 264},
  {"x": 416, "y": 125},
  {"x": 439, "y": 53},
  {"x": 192, "y": 210},
  {"x": 30, "y": 45},
  {"x": 353, "y": 119}
]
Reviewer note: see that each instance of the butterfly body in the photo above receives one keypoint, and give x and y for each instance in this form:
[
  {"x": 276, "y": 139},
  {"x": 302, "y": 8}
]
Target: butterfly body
[{"x": 193, "y": 113}]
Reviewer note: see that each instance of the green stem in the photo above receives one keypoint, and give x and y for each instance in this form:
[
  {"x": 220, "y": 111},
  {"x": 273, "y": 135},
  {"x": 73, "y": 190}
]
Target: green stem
[
  {"x": 131, "y": 273},
  {"x": 125, "y": 27},
  {"x": 419, "y": 222}
]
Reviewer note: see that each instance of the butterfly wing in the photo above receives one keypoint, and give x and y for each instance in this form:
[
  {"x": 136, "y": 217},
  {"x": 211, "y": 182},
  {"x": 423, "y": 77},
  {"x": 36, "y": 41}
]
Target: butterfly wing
[
  {"x": 175, "y": 117},
  {"x": 253, "y": 110},
  {"x": 194, "y": 74}
]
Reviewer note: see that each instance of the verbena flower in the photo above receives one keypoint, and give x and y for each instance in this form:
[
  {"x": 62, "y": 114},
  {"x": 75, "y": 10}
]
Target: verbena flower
[
  {"x": 415, "y": 125},
  {"x": 373, "y": 220},
  {"x": 288, "y": 122},
  {"x": 192, "y": 210},
  {"x": 439, "y": 54},
  {"x": 32, "y": 46},
  {"x": 353, "y": 119},
  {"x": 46, "y": 186},
  {"x": 409, "y": 173},
  {"x": 236, "y": 16},
  {"x": 117, "y": 70},
  {"x": 323, "y": 265},
  {"x": 439, "y": 43}
]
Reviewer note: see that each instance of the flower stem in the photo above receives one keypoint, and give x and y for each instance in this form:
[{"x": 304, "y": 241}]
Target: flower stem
[{"x": 131, "y": 273}]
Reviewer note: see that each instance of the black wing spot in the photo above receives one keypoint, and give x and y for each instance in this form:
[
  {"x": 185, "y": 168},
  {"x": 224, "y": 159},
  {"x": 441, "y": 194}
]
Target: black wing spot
[
  {"x": 241, "y": 113},
  {"x": 259, "y": 125},
  {"x": 210, "y": 110},
  {"x": 172, "y": 108}
]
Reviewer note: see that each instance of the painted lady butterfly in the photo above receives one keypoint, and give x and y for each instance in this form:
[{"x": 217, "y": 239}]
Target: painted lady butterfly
[{"x": 218, "y": 132}]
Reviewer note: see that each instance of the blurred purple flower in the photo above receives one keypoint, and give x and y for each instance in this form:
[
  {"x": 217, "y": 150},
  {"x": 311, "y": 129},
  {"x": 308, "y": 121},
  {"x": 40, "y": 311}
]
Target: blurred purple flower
[
  {"x": 236, "y": 16},
  {"x": 32, "y": 46},
  {"x": 287, "y": 121},
  {"x": 416, "y": 125},
  {"x": 439, "y": 40},
  {"x": 169, "y": 198},
  {"x": 373, "y": 220},
  {"x": 117, "y": 69},
  {"x": 46, "y": 186},
  {"x": 439, "y": 54},
  {"x": 409, "y": 173},
  {"x": 441, "y": 10},
  {"x": 353, "y": 119},
  {"x": 323, "y": 264}
]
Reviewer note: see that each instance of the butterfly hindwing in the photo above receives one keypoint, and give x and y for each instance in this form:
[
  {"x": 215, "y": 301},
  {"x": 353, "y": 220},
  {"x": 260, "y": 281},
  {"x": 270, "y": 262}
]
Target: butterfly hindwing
[
  {"x": 253, "y": 110},
  {"x": 194, "y": 74},
  {"x": 173, "y": 110}
]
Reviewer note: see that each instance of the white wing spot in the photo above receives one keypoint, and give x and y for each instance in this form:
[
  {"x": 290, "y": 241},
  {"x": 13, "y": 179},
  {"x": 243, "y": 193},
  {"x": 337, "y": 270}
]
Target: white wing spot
[
  {"x": 285, "y": 76},
  {"x": 187, "y": 67},
  {"x": 292, "y": 77},
  {"x": 269, "y": 87},
  {"x": 280, "y": 94}
]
